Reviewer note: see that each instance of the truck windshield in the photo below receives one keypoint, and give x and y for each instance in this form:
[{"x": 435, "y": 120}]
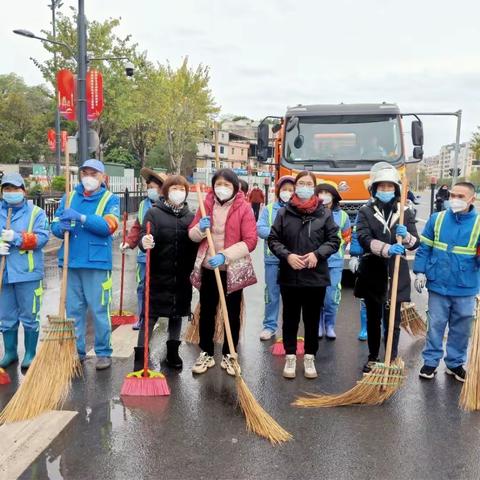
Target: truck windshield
[{"x": 363, "y": 138}]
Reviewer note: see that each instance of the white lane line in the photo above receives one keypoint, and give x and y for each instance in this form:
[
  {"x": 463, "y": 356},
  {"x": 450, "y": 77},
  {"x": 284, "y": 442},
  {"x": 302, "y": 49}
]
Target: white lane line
[
  {"x": 23, "y": 442},
  {"x": 123, "y": 341}
]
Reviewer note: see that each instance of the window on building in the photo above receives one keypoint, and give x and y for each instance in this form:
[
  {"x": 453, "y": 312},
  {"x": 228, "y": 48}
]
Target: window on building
[
  {"x": 213, "y": 148},
  {"x": 222, "y": 150},
  {"x": 233, "y": 151}
]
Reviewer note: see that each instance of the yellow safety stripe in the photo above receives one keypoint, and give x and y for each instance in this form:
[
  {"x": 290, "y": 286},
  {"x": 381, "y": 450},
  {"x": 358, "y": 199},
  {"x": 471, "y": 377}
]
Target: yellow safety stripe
[
  {"x": 103, "y": 203},
  {"x": 436, "y": 230},
  {"x": 138, "y": 274},
  {"x": 140, "y": 212},
  {"x": 470, "y": 249},
  {"x": 270, "y": 222},
  {"x": 426, "y": 241},
  {"x": 472, "y": 243},
  {"x": 343, "y": 221},
  {"x": 37, "y": 293},
  {"x": 31, "y": 263},
  {"x": 106, "y": 287}
]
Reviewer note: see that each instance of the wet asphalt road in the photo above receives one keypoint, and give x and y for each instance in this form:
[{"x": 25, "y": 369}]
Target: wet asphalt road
[{"x": 198, "y": 432}]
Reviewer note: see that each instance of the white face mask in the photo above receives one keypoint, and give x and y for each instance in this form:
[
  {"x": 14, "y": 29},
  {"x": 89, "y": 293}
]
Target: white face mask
[
  {"x": 458, "y": 205},
  {"x": 177, "y": 196},
  {"x": 152, "y": 194},
  {"x": 285, "y": 195},
  {"x": 90, "y": 184},
  {"x": 223, "y": 193},
  {"x": 326, "y": 198}
]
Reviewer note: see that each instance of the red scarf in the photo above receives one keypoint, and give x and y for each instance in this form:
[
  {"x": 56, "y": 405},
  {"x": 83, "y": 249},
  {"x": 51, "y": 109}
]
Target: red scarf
[{"x": 305, "y": 206}]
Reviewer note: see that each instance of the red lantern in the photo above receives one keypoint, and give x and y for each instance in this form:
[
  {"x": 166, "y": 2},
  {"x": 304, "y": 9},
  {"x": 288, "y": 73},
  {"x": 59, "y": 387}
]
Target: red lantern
[
  {"x": 94, "y": 94},
  {"x": 51, "y": 139},
  {"x": 66, "y": 93}
]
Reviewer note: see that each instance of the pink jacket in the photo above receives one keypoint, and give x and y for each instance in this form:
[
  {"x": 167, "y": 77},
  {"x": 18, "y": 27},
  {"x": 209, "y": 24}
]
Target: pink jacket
[{"x": 240, "y": 238}]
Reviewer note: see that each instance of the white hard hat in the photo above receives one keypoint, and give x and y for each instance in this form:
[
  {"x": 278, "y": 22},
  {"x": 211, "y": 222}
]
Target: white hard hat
[{"x": 384, "y": 172}]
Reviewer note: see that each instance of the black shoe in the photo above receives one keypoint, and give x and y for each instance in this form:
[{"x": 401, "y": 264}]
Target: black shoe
[
  {"x": 367, "y": 368},
  {"x": 427, "y": 372},
  {"x": 458, "y": 372},
  {"x": 138, "y": 359},
  {"x": 173, "y": 360}
]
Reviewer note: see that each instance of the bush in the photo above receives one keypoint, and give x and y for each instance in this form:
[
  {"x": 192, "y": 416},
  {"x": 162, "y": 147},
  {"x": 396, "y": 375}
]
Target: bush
[
  {"x": 58, "y": 184},
  {"x": 35, "y": 190}
]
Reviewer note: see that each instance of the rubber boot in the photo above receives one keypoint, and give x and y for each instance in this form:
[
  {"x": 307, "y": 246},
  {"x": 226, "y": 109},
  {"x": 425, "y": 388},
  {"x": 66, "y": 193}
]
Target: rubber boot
[
  {"x": 10, "y": 341},
  {"x": 173, "y": 359},
  {"x": 31, "y": 340},
  {"x": 362, "y": 335},
  {"x": 138, "y": 359}
]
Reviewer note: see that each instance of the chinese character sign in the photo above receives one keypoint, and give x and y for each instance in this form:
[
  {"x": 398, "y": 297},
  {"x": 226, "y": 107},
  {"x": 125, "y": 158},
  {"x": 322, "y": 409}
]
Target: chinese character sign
[
  {"x": 94, "y": 94},
  {"x": 66, "y": 94}
]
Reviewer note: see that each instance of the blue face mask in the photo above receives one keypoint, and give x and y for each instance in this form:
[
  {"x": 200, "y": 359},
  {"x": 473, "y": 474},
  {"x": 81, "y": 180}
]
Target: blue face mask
[
  {"x": 152, "y": 194},
  {"x": 385, "y": 197},
  {"x": 304, "y": 193},
  {"x": 13, "y": 198}
]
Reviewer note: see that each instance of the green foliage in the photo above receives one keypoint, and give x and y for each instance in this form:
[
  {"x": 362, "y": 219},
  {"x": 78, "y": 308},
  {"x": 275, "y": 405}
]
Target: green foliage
[
  {"x": 119, "y": 154},
  {"x": 34, "y": 190},
  {"x": 475, "y": 143},
  {"x": 58, "y": 184}
]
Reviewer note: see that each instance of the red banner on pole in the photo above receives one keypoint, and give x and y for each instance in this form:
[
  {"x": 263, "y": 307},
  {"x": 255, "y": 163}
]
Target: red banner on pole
[
  {"x": 94, "y": 94},
  {"x": 64, "y": 140},
  {"x": 66, "y": 93},
  {"x": 51, "y": 139}
]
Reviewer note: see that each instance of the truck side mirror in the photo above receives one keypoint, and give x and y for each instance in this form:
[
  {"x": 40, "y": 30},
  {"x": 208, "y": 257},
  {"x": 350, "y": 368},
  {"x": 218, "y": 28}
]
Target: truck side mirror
[
  {"x": 417, "y": 133},
  {"x": 262, "y": 142},
  {"x": 418, "y": 153}
]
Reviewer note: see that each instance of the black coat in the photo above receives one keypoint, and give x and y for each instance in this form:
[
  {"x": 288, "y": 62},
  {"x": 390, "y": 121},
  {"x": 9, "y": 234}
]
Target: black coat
[
  {"x": 374, "y": 273},
  {"x": 293, "y": 232},
  {"x": 171, "y": 261}
]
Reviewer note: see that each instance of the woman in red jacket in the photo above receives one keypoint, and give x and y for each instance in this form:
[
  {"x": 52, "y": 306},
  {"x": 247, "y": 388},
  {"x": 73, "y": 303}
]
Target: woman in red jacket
[{"x": 234, "y": 234}]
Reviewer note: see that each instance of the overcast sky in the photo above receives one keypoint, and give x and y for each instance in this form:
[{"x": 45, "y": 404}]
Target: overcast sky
[{"x": 267, "y": 54}]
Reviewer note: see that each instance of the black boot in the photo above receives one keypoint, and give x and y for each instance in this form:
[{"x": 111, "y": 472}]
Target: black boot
[
  {"x": 173, "y": 360},
  {"x": 138, "y": 359}
]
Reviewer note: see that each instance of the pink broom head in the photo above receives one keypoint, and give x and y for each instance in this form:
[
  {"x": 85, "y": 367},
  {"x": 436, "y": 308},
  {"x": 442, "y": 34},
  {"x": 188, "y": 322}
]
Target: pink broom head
[
  {"x": 4, "y": 377},
  {"x": 277, "y": 348},
  {"x": 126, "y": 318},
  {"x": 154, "y": 384}
]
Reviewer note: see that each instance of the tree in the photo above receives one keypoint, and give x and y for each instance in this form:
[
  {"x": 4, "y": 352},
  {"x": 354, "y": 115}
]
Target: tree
[{"x": 475, "y": 143}]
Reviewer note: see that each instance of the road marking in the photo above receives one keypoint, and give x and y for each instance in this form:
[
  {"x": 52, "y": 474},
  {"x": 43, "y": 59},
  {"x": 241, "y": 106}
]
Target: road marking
[
  {"x": 123, "y": 341},
  {"x": 23, "y": 442}
]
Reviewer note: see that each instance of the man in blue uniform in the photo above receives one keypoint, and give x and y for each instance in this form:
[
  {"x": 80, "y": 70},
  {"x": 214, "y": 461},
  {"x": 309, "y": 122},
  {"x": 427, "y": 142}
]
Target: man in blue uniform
[
  {"x": 91, "y": 218},
  {"x": 21, "y": 245}
]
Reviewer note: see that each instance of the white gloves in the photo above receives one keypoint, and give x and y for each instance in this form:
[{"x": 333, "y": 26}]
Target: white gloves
[
  {"x": 124, "y": 247},
  {"x": 4, "y": 248},
  {"x": 147, "y": 242},
  {"x": 353, "y": 264},
  {"x": 420, "y": 282},
  {"x": 8, "y": 235}
]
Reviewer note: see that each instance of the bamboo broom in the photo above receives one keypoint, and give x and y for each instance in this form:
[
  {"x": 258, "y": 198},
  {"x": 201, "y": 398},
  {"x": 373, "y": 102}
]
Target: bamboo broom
[
  {"x": 411, "y": 321},
  {"x": 258, "y": 420},
  {"x": 48, "y": 380},
  {"x": 385, "y": 378},
  {"x": 470, "y": 394}
]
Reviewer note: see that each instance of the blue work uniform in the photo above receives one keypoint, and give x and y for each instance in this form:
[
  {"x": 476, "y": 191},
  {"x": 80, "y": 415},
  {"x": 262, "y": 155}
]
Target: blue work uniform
[
  {"x": 272, "y": 264},
  {"x": 22, "y": 289},
  {"x": 448, "y": 256},
  {"x": 90, "y": 264},
  {"x": 333, "y": 293}
]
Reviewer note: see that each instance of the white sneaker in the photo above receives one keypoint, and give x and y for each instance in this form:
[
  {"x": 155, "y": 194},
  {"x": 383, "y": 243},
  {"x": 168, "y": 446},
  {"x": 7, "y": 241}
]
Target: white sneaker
[
  {"x": 227, "y": 365},
  {"x": 203, "y": 363},
  {"x": 309, "y": 369},
  {"x": 290, "y": 366},
  {"x": 266, "y": 334}
]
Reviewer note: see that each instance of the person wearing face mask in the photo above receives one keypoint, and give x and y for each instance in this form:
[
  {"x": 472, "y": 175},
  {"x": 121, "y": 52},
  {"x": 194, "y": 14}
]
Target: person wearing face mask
[
  {"x": 441, "y": 198},
  {"x": 377, "y": 229},
  {"x": 21, "y": 246},
  {"x": 303, "y": 237},
  {"x": 234, "y": 234},
  {"x": 283, "y": 191},
  {"x": 154, "y": 183},
  {"x": 256, "y": 198},
  {"x": 330, "y": 198},
  {"x": 92, "y": 219},
  {"x": 447, "y": 264},
  {"x": 172, "y": 258}
]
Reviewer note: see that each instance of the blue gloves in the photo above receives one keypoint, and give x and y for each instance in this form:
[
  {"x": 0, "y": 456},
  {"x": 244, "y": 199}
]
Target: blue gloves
[
  {"x": 401, "y": 231},
  {"x": 217, "y": 260},
  {"x": 66, "y": 226},
  {"x": 71, "y": 215},
  {"x": 204, "y": 223},
  {"x": 396, "y": 249}
]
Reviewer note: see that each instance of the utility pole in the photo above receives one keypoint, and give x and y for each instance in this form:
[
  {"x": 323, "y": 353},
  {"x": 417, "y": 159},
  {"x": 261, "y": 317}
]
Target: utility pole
[
  {"x": 457, "y": 147},
  {"x": 58, "y": 141},
  {"x": 81, "y": 84}
]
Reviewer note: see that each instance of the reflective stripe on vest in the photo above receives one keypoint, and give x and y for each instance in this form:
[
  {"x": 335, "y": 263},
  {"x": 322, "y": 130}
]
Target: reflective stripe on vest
[
  {"x": 470, "y": 249},
  {"x": 101, "y": 204},
  {"x": 270, "y": 223},
  {"x": 343, "y": 221},
  {"x": 37, "y": 294},
  {"x": 35, "y": 212},
  {"x": 141, "y": 212}
]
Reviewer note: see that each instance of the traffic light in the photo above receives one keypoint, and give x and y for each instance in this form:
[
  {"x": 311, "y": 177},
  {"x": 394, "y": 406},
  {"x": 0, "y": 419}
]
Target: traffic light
[{"x": 451, "y": 170}]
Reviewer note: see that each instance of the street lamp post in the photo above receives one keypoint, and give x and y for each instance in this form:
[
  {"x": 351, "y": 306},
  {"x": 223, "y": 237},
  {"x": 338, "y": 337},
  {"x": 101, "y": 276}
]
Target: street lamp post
[
  {"x": 81, "y": 84},
  {"x": 58, "y": 154}
]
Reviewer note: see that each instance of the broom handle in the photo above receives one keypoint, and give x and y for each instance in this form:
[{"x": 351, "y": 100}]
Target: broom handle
[
  {"x": 146, "y": 310},
  {"x": 122, "y": 277},
  {"x": 396, "y": 271},
  {"x": 4, "y": 257},
  {"x": 66, "y": 240},
  {"x": 221, "y": 293}
]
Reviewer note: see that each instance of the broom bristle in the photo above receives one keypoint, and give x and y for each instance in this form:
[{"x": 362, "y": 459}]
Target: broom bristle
[
  {"x": 126, "y": 318},
  {"x": 373, "y": 389},
  {"x": 4, "y": 377},
  {"x": 258, "y": 420},
  {"x": 153, "y": 385},
  {"x": 470, "y": 394},
  {"x": 279, "y": 350},
  {"x": 412, "y": 322},
  {"x": 47, "y": 382}
]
